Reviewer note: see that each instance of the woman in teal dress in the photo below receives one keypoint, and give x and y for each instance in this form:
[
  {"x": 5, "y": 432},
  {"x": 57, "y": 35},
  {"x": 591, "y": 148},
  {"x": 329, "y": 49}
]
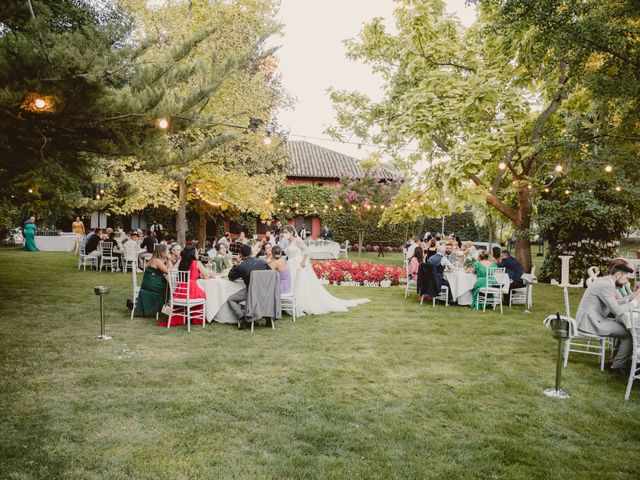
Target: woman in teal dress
[
  {"x": 480, "y": 269},
  {"x": 30, "y": 236},
  {"x": 153, "y": 290}
]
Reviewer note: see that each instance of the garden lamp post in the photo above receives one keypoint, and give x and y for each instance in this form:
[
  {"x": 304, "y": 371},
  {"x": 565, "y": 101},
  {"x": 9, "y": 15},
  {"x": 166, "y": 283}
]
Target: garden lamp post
[
  {"x": 101, "y": 291},
  {"x": 559, "y": 331}
]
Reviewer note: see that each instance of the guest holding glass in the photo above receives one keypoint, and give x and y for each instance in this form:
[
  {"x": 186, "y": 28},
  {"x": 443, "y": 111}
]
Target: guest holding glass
[
  {"x": 30, "y": 235},
  {"x": 153, "y": 290}
]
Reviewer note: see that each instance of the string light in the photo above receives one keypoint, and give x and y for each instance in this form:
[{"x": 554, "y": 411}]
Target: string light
[
  {"x": 97, "y": 196},
  {"x": 163, "y": 123},
  {"x": 546, "y": 190},
  {"x": 567, "y": 192},
  {"x": 40, "y": 103},
  {"x": 30, "y": 190},
  {"x": 502, "y": 165},
  {"x": 559, "y": 168},
  {"x": 608, "y": 169},
  {"x": 267, "y": 138},
  {"x": 618, "y": 188}
]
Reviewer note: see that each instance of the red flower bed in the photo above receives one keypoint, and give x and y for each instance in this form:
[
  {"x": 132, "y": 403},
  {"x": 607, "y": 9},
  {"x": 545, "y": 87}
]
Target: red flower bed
[{"x": 345, "y": 270}]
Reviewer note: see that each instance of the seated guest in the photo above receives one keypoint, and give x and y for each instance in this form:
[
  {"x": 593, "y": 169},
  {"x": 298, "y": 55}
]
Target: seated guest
[
  {"x": 439, "y": 262},
  {"x": 265, "y": 252},
  {"x": 431, "y": 248},
  {"x": 189, "y": 263},
  {"x": 414, "y": 263},
  {"x": 92, "y": 243},
  {"x": 480, "y": 268},
  {"x": 495, "y": 253},
  {"x": 513, "y": 268},
  {"x": 153, "y": 289},
  {"x": 279, "y": 264},
  {"x": 600, "y": 299},
  {"x": 243, "y": 269},
  {"x": 413, "y": 243},
  {"x": 242, "y": 239},
  {"x": 147, "y": 245},
  {"x": 115, "y": 248},
  {"x": 221, "y": 260},
  {"x": 175, "y": 251}
]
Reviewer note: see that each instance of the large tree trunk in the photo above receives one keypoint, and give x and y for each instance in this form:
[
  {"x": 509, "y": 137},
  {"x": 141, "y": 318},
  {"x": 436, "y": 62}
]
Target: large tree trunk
[
  {"x": 523, "y": 251},
  {"x": 202, "y": 228},
  {"x": 181, "y": 220},
  {"x": 523, "y": 242}
]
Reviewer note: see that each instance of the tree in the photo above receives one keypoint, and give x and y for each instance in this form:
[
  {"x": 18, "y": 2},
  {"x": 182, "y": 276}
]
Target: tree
[
  {"x": 490, "y": 111},
  {"x": 367, "y": 197}
]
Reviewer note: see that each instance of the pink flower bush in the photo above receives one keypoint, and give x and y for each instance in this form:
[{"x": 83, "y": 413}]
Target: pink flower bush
[{"x": 345, "y": 270}]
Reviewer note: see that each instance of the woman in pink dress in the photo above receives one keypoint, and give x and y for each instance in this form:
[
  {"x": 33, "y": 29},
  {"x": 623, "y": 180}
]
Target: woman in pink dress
[{"x": 189, "y": 263}]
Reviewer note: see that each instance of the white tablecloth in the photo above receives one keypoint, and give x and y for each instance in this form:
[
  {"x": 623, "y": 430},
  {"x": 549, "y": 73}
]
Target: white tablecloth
[
  {"x": 65, "y": 243},
  {"x": 324, "y": 250},
  {"x": 461, "y": 285},
  {"x": 218, "y": 290}
]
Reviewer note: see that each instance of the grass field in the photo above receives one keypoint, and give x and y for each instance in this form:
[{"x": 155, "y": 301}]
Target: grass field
[{"x": 393, "y": 389}]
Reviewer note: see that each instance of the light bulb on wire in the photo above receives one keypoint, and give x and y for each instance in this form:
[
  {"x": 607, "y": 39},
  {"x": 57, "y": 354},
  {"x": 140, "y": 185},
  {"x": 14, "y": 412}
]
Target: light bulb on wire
[
  {"x": 559, "y": 168},
  {"x": 502, "y": 165},
  {"x": 40, "y": 103},
  {"x": 608, "y": 169},
  {"x": 163, "y": 123},
  {"x": 267, "y": 138}
]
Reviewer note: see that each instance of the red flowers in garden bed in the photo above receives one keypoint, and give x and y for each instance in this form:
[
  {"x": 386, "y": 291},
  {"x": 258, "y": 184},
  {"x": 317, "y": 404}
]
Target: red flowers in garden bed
[{"x": 336, "y": 271}]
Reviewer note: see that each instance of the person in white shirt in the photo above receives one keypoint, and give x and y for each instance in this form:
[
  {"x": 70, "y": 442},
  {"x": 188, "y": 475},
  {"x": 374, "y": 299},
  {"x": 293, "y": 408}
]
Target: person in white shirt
[
  {"x": 412, "y": 246},
  {"x": 224, "y": 240},
  {"x": 303, "y": 232},
  {"x": 470, "y": 251}
]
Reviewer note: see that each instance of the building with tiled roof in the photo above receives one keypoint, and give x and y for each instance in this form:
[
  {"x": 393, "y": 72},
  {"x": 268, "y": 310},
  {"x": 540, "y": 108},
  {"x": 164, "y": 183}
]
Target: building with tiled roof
[{"x": 316, "y": 165}]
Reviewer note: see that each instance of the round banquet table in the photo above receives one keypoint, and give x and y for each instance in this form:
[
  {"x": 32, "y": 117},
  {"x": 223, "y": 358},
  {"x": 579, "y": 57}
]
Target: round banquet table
[
  {"x": 218, "y": 290},
  {"x": 56, "y": 243},
  {"x": 461, "y": 285}
]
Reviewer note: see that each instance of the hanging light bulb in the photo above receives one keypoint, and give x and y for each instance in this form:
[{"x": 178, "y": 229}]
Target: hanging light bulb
[
  {"x": 546, "y": 190},
  {"x": 618, "y": 188},
  {"x": 608, "y": 168},
  {"x": 502, "y": 165},
  {"x": 40, "y": 103},
  {"x": 567, "y": 192},
  {"x": 30, "y": 190},
  {"x": 163, "y": 123},
  {"x": 97, "y": 196},
  {"x": 559, "y": 168},
  {"x": 267, "y": 138}
]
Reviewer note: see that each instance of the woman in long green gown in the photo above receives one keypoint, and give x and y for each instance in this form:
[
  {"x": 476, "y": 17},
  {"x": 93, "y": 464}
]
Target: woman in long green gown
[
  {"x": 480, "y": 268},
  {"x": 153, "y": 289},
  {"x": 30, "y": 236}
]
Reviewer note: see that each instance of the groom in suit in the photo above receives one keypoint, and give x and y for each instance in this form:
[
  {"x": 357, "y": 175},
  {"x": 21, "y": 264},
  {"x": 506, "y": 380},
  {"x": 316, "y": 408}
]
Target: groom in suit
[
  {"x": 243, "y": 270},
  {"x": 598, "y": 301}
]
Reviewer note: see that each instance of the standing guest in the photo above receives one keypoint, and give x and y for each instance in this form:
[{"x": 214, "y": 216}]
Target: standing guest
[
  {"x": 77, "y": 227},
  {"x": 470, "y": 251},
  {"x": 30, "y": 235},
  {"x": 513, "y": 268},
  {"x": 224, "y": 240},
  {"x": 325, "y": 233},
  {"x": 242, "y": 239},
  {"x": 270, "y": 239},
  {"x": 189, "y": 263},
  {"x": 243, "y": 270},
  {"x": 277, "y": 228},
  {"x": 157, "y": 229},
  {"x": 480, "y": 268},
  {"x": 413, "y": 243},
  {"x": 598, "y": 301},
  {"x": 153, "y": 289},
  {"x": 458, "y": 240},
  {"x": 415, "y": 262},
  {"x": 303, "y": 232},
  {"x": 280, "y": 265}
]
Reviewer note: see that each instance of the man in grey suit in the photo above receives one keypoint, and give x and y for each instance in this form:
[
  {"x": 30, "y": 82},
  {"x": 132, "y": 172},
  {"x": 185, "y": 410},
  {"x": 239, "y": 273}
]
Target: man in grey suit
[{"x": 598, "y": 301}]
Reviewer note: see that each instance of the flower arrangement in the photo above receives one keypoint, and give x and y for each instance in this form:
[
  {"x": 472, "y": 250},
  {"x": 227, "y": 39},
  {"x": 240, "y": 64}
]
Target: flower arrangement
[{"x": 335, "y": 271}]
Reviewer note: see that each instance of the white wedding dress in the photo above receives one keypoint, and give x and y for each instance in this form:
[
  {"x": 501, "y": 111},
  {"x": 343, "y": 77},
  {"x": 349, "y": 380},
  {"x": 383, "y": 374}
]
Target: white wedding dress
[{"x": 312, "y": 298}]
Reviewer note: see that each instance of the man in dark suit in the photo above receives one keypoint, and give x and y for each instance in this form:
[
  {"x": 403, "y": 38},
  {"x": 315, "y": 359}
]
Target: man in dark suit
[
  {"x": 513, "y": 268},
  {"x": 303, "y": 232},
  {"x": 243, "y": 270}
]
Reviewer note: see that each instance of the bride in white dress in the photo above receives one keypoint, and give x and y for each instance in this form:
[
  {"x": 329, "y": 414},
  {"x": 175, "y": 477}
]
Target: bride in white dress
[{"x": 312, "y": 298}]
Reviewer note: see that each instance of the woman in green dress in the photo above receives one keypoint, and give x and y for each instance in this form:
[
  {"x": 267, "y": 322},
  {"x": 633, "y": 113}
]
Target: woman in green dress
[
  {"x": 30, "y": 236},
  {"x": 220, "y": 261},
  {"x": 153, "y": 290},
  {"x": 480, "y": 269}
]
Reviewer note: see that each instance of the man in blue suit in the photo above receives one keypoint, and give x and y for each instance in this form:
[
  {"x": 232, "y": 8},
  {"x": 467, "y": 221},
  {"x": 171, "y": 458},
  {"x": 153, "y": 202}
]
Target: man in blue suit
[{"x": 513, "y": 268}]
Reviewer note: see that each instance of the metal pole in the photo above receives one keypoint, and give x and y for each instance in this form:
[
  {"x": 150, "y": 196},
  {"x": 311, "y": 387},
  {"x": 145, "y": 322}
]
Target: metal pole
[
  {"x": 559, "y": 330},
  {"x": 101, "y": 292},
  {"x": 102, "y": 315}
]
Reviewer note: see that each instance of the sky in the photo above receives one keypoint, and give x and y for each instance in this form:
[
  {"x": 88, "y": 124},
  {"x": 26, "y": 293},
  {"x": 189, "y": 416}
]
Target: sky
[{"x": 312, "y": 59}]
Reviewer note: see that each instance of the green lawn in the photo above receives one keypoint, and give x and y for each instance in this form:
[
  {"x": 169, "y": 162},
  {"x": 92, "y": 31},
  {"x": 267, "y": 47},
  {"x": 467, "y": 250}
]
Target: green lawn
[{"x": 393, "y": 389}]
